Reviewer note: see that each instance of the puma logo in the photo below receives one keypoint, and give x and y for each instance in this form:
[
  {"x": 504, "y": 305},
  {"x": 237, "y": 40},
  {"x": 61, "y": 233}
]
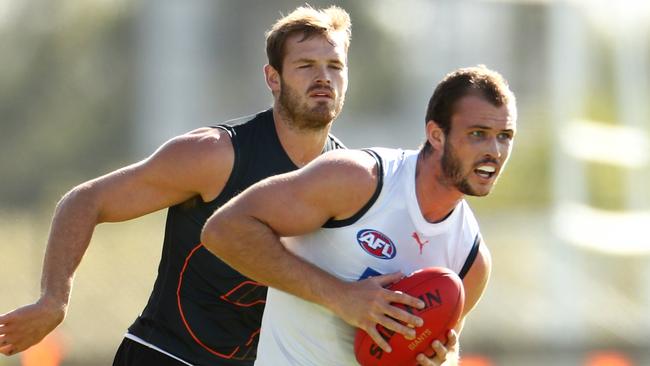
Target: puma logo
[{"x": 419, "y": 241}]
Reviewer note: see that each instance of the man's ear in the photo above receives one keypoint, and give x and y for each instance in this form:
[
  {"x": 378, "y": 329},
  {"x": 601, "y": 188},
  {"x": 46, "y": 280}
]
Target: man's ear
[
  {"x": 272, "y": 77},
  {"x": 435, "y": 135}
]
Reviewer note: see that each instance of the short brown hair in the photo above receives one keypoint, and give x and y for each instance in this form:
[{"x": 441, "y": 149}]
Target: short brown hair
[
  {"x": 309, "y": 22},
  {"x": 477, "y": 80}
]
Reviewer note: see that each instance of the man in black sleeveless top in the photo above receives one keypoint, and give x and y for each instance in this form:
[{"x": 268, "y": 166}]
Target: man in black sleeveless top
[{"x": 201, "y": 311}]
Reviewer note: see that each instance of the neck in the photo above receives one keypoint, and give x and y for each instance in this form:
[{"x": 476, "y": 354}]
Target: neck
[
  {"x": 435, "y": 199},
  {"x": 301, "y": 145}
]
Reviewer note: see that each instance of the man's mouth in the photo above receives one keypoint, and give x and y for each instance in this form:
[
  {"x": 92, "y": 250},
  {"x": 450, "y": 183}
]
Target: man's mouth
[
  {"x": 485, "y": 171},
  {"x": 321, "y": 93}
]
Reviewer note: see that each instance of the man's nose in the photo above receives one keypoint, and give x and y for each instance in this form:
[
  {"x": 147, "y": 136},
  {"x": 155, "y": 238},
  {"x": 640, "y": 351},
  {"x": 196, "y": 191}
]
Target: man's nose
[
  {"x": 494, "y": 149},
  {"x": 323, "y": 76}
]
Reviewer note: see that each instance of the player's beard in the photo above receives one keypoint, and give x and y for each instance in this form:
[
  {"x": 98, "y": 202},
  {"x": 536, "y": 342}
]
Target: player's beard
[
  {"x": 452, "y": 170},
  {"x": 298, "y": 113}
]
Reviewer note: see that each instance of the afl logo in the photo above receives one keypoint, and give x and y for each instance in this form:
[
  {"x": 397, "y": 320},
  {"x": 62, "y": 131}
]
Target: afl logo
[{"x": 376, "y": 244}]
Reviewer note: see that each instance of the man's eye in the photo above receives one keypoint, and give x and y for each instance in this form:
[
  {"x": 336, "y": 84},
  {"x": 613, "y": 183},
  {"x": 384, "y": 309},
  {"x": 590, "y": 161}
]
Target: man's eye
[{"x": 477, "y": 133}]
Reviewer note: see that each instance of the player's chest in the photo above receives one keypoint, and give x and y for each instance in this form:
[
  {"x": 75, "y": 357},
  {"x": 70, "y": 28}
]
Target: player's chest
[{"x": 385, "y": 244}]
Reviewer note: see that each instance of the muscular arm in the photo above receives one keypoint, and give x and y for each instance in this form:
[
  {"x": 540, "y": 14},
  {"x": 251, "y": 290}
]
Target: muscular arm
[
  {"x": 245, "y": 233},
  {"x": 195, "y": 164}
]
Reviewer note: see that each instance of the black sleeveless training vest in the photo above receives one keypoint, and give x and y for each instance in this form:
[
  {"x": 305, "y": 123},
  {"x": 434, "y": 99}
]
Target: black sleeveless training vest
[{"x": 201, "y": 309}]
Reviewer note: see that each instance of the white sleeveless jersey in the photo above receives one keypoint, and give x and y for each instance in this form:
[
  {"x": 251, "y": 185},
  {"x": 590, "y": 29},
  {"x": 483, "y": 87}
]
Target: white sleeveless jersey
[{"x": 392, "y": 235}]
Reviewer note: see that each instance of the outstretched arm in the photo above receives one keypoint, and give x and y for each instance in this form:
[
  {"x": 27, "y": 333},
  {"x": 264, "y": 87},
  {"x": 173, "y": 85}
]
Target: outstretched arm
[
  {"x": 195, "y": 164},
  {"x": 245, "y": 233}
]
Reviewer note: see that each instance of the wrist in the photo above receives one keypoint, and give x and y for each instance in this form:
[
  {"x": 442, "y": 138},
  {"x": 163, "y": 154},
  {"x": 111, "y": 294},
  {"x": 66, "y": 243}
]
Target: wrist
[
  {"x": 54, "y": 302},
  {"x": 56, "y": 308},
  {"x": 333, "y": 295}
]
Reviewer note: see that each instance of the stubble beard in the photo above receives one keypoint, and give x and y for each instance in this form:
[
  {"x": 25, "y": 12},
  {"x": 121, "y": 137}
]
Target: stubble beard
[
  {"x": 301, "y": 116},
  {"x": 452, "y": 170}
]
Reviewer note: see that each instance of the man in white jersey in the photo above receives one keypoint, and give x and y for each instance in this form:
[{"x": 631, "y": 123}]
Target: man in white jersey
[{"x": 353, "y": 214}]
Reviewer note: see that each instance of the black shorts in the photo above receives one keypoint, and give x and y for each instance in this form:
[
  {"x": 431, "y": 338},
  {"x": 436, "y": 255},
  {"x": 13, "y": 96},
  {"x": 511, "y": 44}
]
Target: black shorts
[{"x": 132, "y": 353}]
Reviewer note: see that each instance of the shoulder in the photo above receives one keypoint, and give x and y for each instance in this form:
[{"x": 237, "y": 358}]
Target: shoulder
[
  {"x": 249, "y": 121},
  {"x": 345, "y": 179},
  {"x": 203, "y": 158},
  {"x": 356, "y": 165},
  {"x": 205, "y": 138},
  {"x": 203, "y": 144}
]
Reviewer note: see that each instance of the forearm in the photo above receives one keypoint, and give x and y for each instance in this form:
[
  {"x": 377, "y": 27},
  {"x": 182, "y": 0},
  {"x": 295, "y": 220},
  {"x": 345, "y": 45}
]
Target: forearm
[
  {"x": 72, "y": 227},
  {"x": 253, "y": 249}
]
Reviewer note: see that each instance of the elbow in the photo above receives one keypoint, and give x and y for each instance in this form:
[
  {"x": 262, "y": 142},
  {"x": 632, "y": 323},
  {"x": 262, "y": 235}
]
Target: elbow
[
  {"x": 212, "y": 236},
  {"x": 81, "y": 200},
  {"x": 73, "y": 196}
]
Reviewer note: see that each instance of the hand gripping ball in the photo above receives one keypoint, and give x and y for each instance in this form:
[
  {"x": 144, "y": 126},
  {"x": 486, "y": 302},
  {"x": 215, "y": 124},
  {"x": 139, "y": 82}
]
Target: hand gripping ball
[{"x": 443, "y": 295}]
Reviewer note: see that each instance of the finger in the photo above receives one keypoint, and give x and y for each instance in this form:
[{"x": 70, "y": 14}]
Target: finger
[
  {"x": 436, "y": 357},
  {"x": 424, "y": 361},
  {"x": 5, "y": 329},
  {"x": 378, "y": 339},
  {"x": 402, "y": 298},
  {"x": 403, "y": 316},
  {"x": 439, "y": 349},
  {"x": 7, "y": 349},
  {"x": 391, "y": 324},
  {"x": 452, "y": 339},
  {"x": 387, "y": 279}
]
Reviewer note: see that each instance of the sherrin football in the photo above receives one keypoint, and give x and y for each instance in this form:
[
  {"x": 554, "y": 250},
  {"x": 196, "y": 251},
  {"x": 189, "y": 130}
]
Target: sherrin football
[{"x": 443, "y": 295}]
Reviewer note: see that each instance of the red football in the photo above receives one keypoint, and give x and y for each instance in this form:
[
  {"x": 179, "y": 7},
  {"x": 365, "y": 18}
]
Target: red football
[{"x": 442, "y": 292}]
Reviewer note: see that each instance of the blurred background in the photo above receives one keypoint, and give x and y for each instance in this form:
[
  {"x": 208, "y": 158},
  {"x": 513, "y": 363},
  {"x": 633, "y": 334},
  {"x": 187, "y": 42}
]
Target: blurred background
[{"x": 90, "y": 86}]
